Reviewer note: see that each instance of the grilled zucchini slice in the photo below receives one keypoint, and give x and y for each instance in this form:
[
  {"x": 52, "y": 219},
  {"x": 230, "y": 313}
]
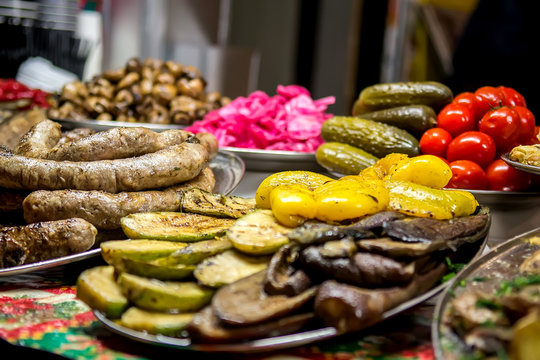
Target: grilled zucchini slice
[
  {"x": 196, "y": 252},
  {"x": 164, "y": 296},
  {"x": 227, "y": 267},
  {"x": 206, "y": 203},
  {"x": 173, "y": 226},
  {"x": 97, "y": 288},
  {"x": 144, "y": 250},
  {"x": 258, "y": 233},
  {"x": 154, "y": 322},
  {"x": 153, "y": 270}
]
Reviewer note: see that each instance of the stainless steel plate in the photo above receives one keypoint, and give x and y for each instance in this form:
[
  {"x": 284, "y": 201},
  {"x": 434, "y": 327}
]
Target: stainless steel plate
[
  {"x": 507, "y": 200},
  {"x": 274, "y": 160},
  {"x": 499, "y": 264},
  {"x": 523, "y": 167},
  {"x": 41, "y": 265},
  {"x": 274, "y": 343},
  {"x": 102, "y": 125},
  {"x": 228, "y": 170}
]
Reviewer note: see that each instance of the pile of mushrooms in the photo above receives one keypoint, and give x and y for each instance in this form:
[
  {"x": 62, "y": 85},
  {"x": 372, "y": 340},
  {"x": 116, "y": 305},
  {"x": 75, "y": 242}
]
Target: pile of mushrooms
[{"x": 152, "y": 91}]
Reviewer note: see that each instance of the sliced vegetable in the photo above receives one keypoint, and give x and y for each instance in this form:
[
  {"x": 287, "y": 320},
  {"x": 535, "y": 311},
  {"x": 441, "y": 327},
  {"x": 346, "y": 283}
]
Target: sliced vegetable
[
  {"x": 164, "y": 296},
  {"x": 173, "y": 226},
  {"x": 153, "y": 270},
  {"x": 258, "y": 233},
  {"x": 308, "y": 178},
  {"x": 155, "y": 322},
  {"x": 196, "y": 252},
  {"x": 206, "y": 203},
  {"x": 138, "y": 249},
  {"x": 228, "y": 267},
  {"x": 97, "y": 287},
  {"x": 422, "y": 201}
]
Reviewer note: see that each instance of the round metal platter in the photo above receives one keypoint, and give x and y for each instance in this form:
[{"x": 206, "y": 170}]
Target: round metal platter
[
  {"x": 273, "y": 343},
  {"x": 486, "y": 274},
  {"x": 228, "y": 171},
  {"x": 274, "y": 160}
]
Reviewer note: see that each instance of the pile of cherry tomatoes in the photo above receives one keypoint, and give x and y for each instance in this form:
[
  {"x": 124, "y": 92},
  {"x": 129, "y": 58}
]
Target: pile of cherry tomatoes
[
  {"x": 475, "y": 130},
  {"x": 11, "y": 90}
]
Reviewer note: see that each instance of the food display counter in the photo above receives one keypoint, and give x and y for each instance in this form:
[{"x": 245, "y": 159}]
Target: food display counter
[{"x": 267, "y": 229}]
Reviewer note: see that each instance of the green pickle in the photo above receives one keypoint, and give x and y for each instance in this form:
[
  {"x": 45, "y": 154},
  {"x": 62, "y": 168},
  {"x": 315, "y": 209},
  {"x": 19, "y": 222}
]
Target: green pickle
[
  {"x": 343, "y": 158},
  {"x": 378, "y": 139}
]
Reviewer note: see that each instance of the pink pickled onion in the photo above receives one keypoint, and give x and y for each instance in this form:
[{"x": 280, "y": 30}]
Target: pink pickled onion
[{"x": 290, "y": 120}]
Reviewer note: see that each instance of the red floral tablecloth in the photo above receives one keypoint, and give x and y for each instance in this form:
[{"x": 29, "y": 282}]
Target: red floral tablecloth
[{"x": 40, "y": 310}]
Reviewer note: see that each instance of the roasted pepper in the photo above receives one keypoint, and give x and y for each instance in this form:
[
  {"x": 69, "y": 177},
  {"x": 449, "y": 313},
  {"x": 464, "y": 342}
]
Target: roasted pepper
[
  {"x": 292, "y": 204},
  {"x": 335, "y": 201},
  {"x": 428, "y": 170},
  {"x": 423, "y": 201},
  {"x": 311, "y": 180},
  {"x": 349, "y": 199}
]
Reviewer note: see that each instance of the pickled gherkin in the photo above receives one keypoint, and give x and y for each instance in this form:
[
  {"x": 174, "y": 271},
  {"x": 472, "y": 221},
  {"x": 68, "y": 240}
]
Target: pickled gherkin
[
  {"x": 387, "y": 95},
  {"x": 376, "y": 138},
  {"x": 343, "y": 158}
]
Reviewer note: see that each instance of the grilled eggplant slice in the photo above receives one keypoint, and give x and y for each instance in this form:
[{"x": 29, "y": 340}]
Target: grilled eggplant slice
[
  {"x": 282, "y": 276},
  {"x": 173, "y": 226},
  {"x": 228, "y": 267},
  {"x": 362, "y": 269},
  {"x": 258, "y": 233},
  {"x": 97, "y": 288},
  {"x": 351, "y": 308},
  {"x": 244, "y": 302},
  {"x": 206, "y": 203},
  {"x": 164, "y": 296},
  {"x": 155, "y": 322},
  {"x": 207, "y": 327}
]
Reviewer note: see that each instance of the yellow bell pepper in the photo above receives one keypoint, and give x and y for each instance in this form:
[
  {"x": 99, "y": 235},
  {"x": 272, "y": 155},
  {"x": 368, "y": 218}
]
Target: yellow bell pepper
[
  {"x": 423, "y": 201},
  {"x": 292, "y": 204},
  {"x": 382, "y": 167},
  {"x": 335, "y": 201},
  {"x": 349, "y": 199},
  {"x": 311, "y": 180},
  {"x": 428, "y": 170}
]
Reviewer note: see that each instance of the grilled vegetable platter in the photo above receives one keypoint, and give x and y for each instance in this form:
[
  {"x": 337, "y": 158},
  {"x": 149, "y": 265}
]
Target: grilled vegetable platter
[
  {"x": 308, "y": 258},
  {"x": 490, "y": 310}
]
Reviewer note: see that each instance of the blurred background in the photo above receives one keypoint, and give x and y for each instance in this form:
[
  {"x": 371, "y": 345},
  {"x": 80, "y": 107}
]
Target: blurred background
[{"x": 330, "y": 47}]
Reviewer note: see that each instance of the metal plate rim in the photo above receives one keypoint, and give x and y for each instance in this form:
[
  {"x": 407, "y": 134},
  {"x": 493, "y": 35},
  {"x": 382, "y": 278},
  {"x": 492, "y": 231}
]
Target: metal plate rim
[
  {"x": 269, "y": 344},
  {"x": 520, "y": 166},
  {"x": 474, "y": 265}
]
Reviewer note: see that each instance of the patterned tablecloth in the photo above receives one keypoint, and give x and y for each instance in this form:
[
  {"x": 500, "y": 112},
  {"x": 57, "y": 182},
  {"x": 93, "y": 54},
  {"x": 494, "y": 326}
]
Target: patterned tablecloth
[{"x": 39, "y": 310}]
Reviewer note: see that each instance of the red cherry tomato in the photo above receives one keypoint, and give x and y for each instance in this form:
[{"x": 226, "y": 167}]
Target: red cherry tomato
[
  {"x": 502, "y": 125},
  {"x": 487, "y": 98},
  {"x": 456, "y": 119},
  {"x": 467, "y": 175},
  {"x": 534, "y": 139},
  {"x": 435, "y": 142},
  {"x": 527, "y": 124},
  {"x": 503, "y": 177},
  {"x": 512, "y": 97},
  {"x": 474, "y": 146},
  {"x": 465, "y": 99}
]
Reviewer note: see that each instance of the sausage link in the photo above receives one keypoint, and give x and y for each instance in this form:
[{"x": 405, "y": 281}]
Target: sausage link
[
  {"x": 162, "y": 168},
  {"x": 45, "y": 240},
  {"x": 117, "y": 143},
  {"x": 104, "y": 210},
  {"x": 41, "y": 138}
]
